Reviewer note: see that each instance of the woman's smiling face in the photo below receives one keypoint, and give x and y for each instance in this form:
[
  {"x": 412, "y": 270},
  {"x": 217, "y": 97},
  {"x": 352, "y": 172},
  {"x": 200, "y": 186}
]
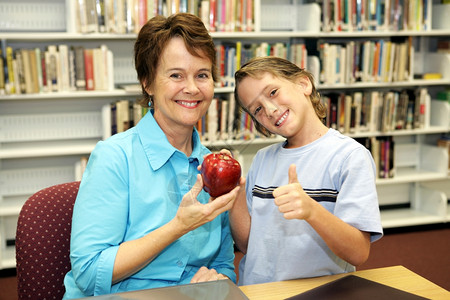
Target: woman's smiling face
[{"x": 183, "y": 87}]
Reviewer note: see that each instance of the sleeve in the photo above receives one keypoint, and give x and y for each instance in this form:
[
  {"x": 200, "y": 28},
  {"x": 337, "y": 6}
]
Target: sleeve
[
  {"x": 99, "y": 219},
  {"x": 357, "y": 202},
  {"x": 224, "y": 262}
]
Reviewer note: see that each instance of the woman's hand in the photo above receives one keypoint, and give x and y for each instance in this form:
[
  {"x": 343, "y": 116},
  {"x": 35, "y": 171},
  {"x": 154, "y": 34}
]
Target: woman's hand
[
  {"x": 192, "y": 214},
  {"x": 205, "y": 274}
]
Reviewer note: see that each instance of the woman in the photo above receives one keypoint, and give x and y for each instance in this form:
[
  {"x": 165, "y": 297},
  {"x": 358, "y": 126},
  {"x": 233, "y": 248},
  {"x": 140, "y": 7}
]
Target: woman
[
  {"x": 310, "y": 207},
  {"x": 141, "y": 219}
]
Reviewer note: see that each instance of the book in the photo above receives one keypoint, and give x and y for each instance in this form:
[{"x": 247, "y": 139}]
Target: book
[
  {"x": 81, "y": 16},
  {"x": 2, "y": 74},
  {"x": 19, "y": 72},
  {"x": 106, "y": 121},
  {"x": 91, "y": 16},
  {"x": 213, "y": 120},
  {"x": 101, "y": 15},
  {"x": 27, "y": 71},
  {"x": 99, "y": 68},
  {"x": 354, "y": 287},
  {"x": 34, "y": 70},
  {"x": 89, "y": 69},
  {"x": 52, "y": 66},
  {"x": 40, "y": 71},
  {"x": 80, "y": 79},
  {"x": 10, "y": 86},
  {"x": 123, "y": 115},
  {"x": 63, "y": 70}
]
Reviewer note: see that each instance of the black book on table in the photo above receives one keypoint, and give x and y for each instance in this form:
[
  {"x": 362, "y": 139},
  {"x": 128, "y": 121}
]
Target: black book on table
[{"x": 353, "y": 287}]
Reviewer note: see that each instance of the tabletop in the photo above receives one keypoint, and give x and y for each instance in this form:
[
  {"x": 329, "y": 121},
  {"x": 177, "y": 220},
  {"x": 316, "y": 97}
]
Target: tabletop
[{"x": 396, "y": 276}]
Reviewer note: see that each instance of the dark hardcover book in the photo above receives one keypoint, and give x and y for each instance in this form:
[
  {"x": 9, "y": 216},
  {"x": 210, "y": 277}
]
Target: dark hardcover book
[
  {"x": 80, "y": 72},
  {"x": 353, "y": 287}
]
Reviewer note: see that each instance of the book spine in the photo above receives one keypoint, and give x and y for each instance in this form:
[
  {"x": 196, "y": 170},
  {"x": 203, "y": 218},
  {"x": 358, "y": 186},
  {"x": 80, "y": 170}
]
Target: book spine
[
  {"x": 10, "y": 85},
  {"x": 89, "y": 69}
]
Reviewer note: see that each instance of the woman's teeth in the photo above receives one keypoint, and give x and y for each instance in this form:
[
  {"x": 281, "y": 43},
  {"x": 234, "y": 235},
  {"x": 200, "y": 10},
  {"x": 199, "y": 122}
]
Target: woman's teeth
[{"x": 188, "y": 104}]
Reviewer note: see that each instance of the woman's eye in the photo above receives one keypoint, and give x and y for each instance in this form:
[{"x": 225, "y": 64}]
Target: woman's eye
[
  {"x": 175, "y": 75},
  {"x": 203, "y": 75}
]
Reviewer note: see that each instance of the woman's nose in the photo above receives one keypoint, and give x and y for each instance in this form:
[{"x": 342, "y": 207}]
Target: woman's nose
[{"x": 191, "y": 86}]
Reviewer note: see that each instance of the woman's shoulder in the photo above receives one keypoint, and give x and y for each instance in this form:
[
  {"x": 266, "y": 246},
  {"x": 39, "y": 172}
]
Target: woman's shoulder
[{"x": 117, "y": 142}]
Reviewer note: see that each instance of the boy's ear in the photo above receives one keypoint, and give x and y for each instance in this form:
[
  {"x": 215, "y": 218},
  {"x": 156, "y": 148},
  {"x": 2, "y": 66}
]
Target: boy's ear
[{"x": 305, "y": 84}]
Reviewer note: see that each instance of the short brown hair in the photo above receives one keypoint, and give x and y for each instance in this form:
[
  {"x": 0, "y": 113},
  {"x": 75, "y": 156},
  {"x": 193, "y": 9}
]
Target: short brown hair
[
  {"x": 153, "y": 38},
  {"x": 281, "y": 68}
]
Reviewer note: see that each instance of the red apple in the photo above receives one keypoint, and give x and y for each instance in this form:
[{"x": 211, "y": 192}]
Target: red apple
[{"x": 220, "y": 173}]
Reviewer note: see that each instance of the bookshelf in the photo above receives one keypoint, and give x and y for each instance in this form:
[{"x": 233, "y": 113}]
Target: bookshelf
[{"x": 43, "y": 135}]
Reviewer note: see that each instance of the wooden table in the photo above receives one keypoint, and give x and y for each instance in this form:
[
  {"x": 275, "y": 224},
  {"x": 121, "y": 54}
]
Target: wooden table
[{"x": 397, "y": 276}]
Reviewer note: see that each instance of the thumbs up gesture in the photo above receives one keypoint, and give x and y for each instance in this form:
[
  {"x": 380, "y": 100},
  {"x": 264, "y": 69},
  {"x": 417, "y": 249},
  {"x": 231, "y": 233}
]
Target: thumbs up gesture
[{"x": 291, "y": 199}]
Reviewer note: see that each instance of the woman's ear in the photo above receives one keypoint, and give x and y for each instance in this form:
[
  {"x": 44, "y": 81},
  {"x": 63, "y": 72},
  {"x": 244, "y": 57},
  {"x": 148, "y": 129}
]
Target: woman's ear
[
  {"x": 305, "y": 84},
  {"x": 147, "y": 87}
]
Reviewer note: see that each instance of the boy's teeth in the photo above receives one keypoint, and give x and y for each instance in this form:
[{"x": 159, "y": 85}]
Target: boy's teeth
[{"x": 282, "y": 119}]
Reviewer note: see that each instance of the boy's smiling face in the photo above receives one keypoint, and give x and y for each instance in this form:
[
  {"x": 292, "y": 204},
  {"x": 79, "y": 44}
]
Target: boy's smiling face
[{"x": 280, "y": 105}]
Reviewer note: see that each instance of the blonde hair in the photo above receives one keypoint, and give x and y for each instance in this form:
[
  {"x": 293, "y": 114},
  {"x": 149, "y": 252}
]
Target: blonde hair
[{"x": 281, "y": 68}]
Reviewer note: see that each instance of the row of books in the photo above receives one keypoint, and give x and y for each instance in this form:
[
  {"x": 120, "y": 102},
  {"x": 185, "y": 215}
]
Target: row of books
[
  {"x": 370, "y": 111},
  {"x": 383, "y": 152},
  {"x": 227, "y": 15},
  {"x": 118, "y": 116},
  {"x": 223, "y": 121},
  {"x": 58, "y": 68},
  {"x": 128, "y": 16},
  {"x": 375, "y": 111},
  {"x": 78, "y": 68},
  {"x": 337, "y": 63},
  {"x": 366, "y": 61},
  {"x": 375, "y": 15},
  {"x": 230, "y": 56},
  {"x": 226, "y": 121}
]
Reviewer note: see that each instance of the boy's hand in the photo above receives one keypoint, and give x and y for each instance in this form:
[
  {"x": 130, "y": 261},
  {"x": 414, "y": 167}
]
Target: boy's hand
[{"x": 291, "y": 199}]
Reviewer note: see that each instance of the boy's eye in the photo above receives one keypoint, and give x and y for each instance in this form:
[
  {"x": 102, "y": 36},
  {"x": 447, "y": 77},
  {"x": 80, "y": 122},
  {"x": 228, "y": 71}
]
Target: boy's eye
[
  {"x": 257, "y": 110},
  {"x": 273, "y": 92}
]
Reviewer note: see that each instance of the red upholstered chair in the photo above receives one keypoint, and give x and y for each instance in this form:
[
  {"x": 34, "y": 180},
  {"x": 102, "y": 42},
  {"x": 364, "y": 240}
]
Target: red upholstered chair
[{"x": 43, "y": 242}]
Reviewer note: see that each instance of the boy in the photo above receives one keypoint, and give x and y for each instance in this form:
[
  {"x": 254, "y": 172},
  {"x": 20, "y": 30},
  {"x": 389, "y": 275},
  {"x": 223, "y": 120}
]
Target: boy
[{"x": 310, "y": 207}]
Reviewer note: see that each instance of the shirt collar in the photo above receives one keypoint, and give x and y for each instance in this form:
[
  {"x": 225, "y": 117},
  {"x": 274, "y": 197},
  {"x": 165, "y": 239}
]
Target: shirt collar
[{"x": 157, "y": 147}]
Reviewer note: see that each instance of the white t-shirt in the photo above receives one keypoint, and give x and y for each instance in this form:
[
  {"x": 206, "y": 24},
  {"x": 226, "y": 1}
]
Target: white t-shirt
[{"x": 336, "y": 171}]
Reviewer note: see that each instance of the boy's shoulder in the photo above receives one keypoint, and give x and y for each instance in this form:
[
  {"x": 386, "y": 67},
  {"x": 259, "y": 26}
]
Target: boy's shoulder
[{"x": 272, "y": 147}]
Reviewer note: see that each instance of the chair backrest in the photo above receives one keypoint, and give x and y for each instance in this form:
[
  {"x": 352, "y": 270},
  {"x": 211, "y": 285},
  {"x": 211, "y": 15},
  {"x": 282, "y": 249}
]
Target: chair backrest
[{"x": 43, "y": 242}]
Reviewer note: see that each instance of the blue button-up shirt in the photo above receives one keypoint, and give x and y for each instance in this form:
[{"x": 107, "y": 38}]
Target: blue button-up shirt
[{"x": 133, "y": 184}]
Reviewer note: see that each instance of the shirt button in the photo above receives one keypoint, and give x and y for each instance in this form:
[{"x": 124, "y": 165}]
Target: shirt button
[{"x": 180, "y": 263}]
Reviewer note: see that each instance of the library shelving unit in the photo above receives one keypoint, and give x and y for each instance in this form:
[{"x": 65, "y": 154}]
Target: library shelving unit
[{"x": 44, "y": 135}]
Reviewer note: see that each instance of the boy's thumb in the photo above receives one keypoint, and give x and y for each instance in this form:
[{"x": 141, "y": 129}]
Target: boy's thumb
[{"x": 293, "y": 174}]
